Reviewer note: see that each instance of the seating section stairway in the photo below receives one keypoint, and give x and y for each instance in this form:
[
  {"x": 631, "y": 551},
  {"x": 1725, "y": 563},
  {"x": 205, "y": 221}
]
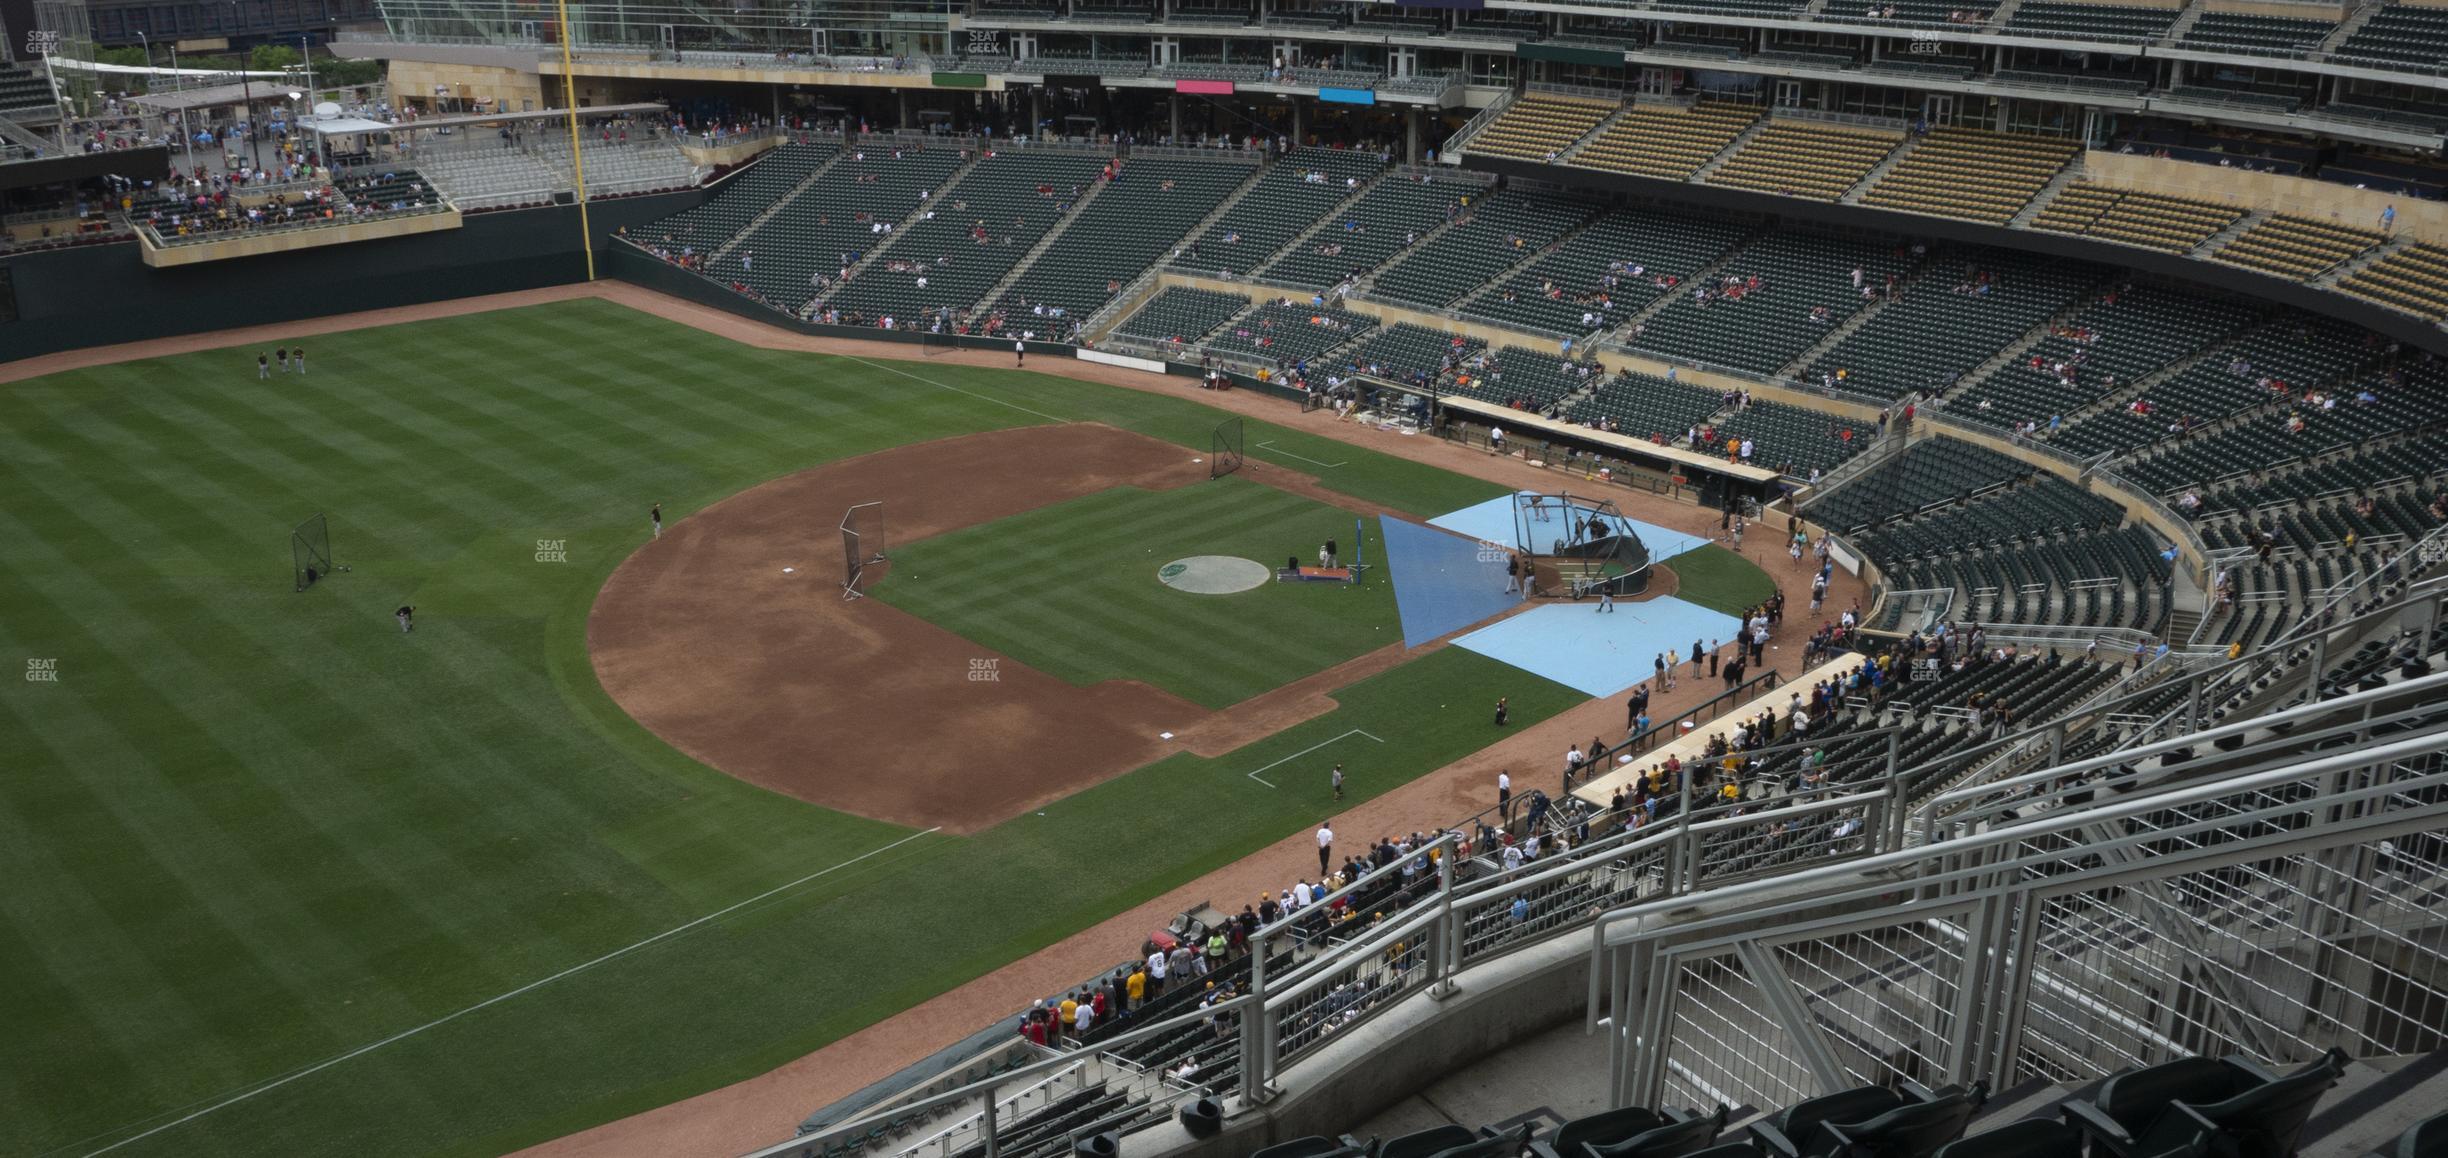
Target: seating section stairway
[
  {"x": 1180, "y": 316},
  {"x": 1972, "y": 174},
  {"x": 973, "y": 234},
  {"x": 1948, "y": 321},
  {"x": 1540, "y": 126},
  {"x": 1299, "y": 189},
  {"x": 2115, "y": 342},
  {"x": 1133, "y": 221},
  {"x": 833, "y": 222},
  {"x": 1386, "y": 220},
  {"x": 1500, "y": 231},
  {"x": 1594, "y": 279},
  {"x": 1669, "y": 141},
  {"x": 1760, "y": 326},
  {"x": 2413, "y": 279},
  {"x": 2295, "y": 247},
  {"x": 1805, "y": 159},
  {"x": 2150, "y": 220}
]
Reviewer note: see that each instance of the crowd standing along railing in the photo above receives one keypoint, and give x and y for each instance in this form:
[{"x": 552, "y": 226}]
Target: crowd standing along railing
[{"x": 2148, "y": 891}]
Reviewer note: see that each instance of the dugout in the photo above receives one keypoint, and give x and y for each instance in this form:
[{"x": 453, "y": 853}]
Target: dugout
[{"x": 1672, "y": 471}]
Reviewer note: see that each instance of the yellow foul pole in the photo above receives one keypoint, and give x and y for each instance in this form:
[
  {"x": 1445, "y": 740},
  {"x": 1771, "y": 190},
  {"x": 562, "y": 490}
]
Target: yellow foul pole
[{"x": 569, "y": 82}]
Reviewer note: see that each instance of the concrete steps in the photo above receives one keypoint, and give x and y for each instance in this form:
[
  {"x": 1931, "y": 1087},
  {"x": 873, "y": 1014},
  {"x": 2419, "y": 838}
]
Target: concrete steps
[
  {"x": 995, "y": 293},
  {"x": 2219, "y": 240},
  {"x": 2021, "y": 347},
  {"x": 1698, "y": 277},
  {"x": 1858, "y": 319},
  {"x": 1879, "y": 171},
  {"x": 2363, "y": 261},
  {"x": 758, "y": 222},
  {"x": 2353, "y": 23},
  {"x": 1734, "y": 146},
  {"x": 2040, "y": 201},
  {"x": 899, "y": 228}
]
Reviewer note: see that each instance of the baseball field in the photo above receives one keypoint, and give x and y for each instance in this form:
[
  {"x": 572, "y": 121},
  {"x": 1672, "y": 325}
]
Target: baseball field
[{"x": 621, "y": 820}]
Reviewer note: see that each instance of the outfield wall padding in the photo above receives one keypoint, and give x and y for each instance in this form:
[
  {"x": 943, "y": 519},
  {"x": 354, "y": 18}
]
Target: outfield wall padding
[{"x": 100, "y": 295}]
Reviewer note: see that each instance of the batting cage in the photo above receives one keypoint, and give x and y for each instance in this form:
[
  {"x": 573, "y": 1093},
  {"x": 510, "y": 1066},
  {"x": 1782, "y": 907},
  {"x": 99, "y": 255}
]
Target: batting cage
[
  {"x": 310, "y": 553},
  {"x": 1225, "y": 456},
  {"x": 862, "y": 532},
  {"x": 1579, "y": 545}
]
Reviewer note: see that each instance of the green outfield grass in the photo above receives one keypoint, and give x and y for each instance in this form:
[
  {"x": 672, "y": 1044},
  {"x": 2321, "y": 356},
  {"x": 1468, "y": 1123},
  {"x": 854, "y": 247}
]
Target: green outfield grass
[
  {"x": 1720, "y": 580},
  {"x": 1072, "y": 590},
  {"x": 248, "y": 833}
]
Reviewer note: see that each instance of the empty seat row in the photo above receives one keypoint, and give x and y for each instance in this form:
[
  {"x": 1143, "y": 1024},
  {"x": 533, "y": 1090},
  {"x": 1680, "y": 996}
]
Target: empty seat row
[{"x": 1802, "y": 159}]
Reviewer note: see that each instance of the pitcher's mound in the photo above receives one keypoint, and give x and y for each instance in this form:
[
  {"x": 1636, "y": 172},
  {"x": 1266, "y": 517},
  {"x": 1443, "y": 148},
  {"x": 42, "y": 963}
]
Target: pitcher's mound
[{"x": 1214, "y": 574}]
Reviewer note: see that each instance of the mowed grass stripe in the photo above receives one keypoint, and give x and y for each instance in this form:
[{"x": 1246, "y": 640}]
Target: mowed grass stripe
[
  {"x": 1025, "y": 585},
  {"x": 277, "y": 832},
  {"x": 479, "y": 766}
]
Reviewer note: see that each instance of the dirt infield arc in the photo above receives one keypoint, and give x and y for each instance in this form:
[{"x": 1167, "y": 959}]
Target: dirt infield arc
[{"x": 857, "y": 705}]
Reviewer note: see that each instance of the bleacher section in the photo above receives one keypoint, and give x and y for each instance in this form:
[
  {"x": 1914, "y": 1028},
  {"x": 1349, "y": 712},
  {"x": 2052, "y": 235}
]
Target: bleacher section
[
  {"x": 1501, "y": 230},
  {"x": 1413, "y": 355},
  {"x": 1668, "y": 141},
  {"x": 1949, "y": 320},
  {"x": 1524, "y": 378},
  {"x": 1592, "y": 272},
  {"x": 2083, "y": 579},
  {"x": 2295, "y": 247},
  {"x": 829, "y": 224},
  {"x": 2300, "y": 352},
  {"x": 1762, "y": 329},
  {"x": 1387, "y": 219},
  {"x": 2256, "y": 33},
  {"x": 979, "y": 229},
  {"x": 2091, "y": 21},
  {"x": 2401, "y": 34},
  {"x": 1802, "y": 159},
  {"x": 1289, "y": 334},
  {"x": 1972, "y": 174},
  {"x": 1540, "y": 126},
  {"x": 1134, "y": 220},
  {"x": 24, "y": 92},
  {"x": 2041, "y": 506},
  {"x": 1182, "y": 316},
  {"x": 1929, "y": 473},
  {"x": 1302, "y": 187},
  {"x": 649, "y": 164},
  {"x": 2413, "y": 279},
  {"x": 478, "y": 174},
  {"x": 2151, "y": 220},
  {"x": 2112, "y": 344},
  {"x": 1793, "y": 439},
  {"x": 1644, "y": 406}
]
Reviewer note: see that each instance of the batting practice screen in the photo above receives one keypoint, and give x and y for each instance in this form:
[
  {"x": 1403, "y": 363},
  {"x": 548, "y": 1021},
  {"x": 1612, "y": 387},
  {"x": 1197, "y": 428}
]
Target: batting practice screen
[
  {"x": 1225, "y": 456},
  {"x": 310, "y": 556},
  {"x": 862, "y": 532}
]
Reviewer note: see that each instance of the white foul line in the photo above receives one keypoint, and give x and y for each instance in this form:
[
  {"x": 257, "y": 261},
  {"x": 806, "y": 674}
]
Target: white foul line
[
  {"x": 954, "y": 389},
  {"x": 1303, "y": 752},
  {"x": 1270, "y": 445},
  {"x": 294, "y": 1075}
]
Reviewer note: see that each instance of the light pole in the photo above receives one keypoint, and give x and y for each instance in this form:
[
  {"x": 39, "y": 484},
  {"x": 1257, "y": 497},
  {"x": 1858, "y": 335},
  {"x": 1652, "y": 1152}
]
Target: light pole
[
  {"x": 306, "y": 59},
  {"x": 179, "y": 85}
]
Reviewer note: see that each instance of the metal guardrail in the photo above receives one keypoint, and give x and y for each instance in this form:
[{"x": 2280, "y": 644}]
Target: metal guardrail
[
  {"x": 2085, "y": 941},
  {"x": 1725, "y": 860}
]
